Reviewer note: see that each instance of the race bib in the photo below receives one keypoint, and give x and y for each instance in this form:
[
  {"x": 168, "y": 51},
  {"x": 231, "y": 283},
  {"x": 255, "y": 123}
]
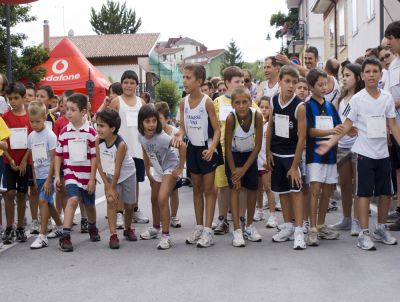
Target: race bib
[
  {"x": 243, "y": 144},
  {"x": 324, "y": 123},
  {"x": 224, "y": 110},
  {"x": 19, "y": 138},
  {"x": 77, "y": 149},
  {"x": 39, "y": 151},
  {"x": 195, "y": 134},
  {"x": 376, "y": 126},
  {"x": 132, "y": 118},
  {"x": 282, "y": 125},
  {"x": 107, "y": 162}
]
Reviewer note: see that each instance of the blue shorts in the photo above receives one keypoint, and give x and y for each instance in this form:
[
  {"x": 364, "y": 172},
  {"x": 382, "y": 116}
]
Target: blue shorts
[
  {"x": 42, "y": 194},
  {"x": 82, "y": 194}
]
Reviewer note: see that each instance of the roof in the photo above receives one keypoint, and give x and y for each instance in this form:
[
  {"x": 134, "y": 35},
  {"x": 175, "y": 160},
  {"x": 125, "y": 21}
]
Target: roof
[
  {"x": 190, "y": 41},
  {"x": 106, "y": 46},
  {"x": 209, "y": 54},
  {"x": 168, "y": 51}
]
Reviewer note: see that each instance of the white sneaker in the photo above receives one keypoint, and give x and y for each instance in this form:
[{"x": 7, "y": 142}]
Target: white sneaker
[
  {"x": 165, "y": 243},
  {"x": 35, "y": 227},
  {"x": 342, "y": 225},
  {"x": 120, "y": 221},
  {"x": 299, "y": 243},
  {"x": 365, "y": 242},
  {"x": 175, "y": 222},
  {"x": 206, "y": 238},
  {"x": 278, "y": 206},
  {"x": 57, "y": 232},
  {"x": 229, "y": 216},
  {"x": 272, "y": 221},
  {"x": 238, "y": 240},
  {"x": 40, "y": 242},
  {"x": 151, "y": 233},
  {"x": 139, "y": 217},
  {"x": 355, "y": 227},
  {"x": 50, "y": 225},
  {"x": 382, "y": 234},
  {"x": 284, "y": 235},
  {"x": 251, "y": 234},
  {"x": 258, "y": 214},
  {"x": 306, "y": 226},
  {"x": 195, "y": 235}
]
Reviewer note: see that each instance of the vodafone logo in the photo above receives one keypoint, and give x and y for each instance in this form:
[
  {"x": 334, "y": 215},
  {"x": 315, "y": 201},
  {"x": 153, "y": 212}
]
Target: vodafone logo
[{"x": 59, "y": 63}]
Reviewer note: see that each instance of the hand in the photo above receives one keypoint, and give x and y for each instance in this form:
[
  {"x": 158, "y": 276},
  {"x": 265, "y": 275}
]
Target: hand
[
  {"x": 22, "y": 168},
  {"x": 237, "y": 185},
  {"x": 282, "y": 59},
  {"x": 57, "y": 183},
  {"x": 3, "y": 145},
  {"x": 47, "y": 187},
  {"x": 177, "y": 172},
  {"x": 151, "y": 180},
  {"x": 324, "y": 147},
  {"x": 112, "y": 195},
  {"x": 237, "y": 174},
  {"x": 208, "y": 154},
  {"x": 294, "y": 175},
  {"x": 177, "y": 140},
  {"x": 13, "y": 165},
  {"x": 91, "y": 186},
  {"x": 107, "y": 101},
  {"x": 339, "y": 129},
  {"x": 353, "y": 132},
  {"x": 269, "y": 163}
]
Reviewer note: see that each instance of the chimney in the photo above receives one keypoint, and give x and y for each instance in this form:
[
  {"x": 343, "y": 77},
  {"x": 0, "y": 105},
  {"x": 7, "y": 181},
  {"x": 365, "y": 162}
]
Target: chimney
[{"x": 46, "y": 35}]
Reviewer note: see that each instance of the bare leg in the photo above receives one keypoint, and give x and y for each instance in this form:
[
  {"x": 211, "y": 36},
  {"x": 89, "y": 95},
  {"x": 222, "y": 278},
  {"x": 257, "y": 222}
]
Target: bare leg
[
  {"x": 326, "y": 193},
  {"x": 363, "y": 212},
  {"x": 112, "y": 216},
  {"x": 69, "y": 213},
  {"x": 251, "y": 206},
  {"x": 346, "y": 185},
  {"x": 297, "y": 205},
  {"x": 10, "y": 206},
  {"x": 224, "y": 198},
  {"x": 174, "y": 203},
  {"x": 128, "y": 215},
  {"x": 383, "y": 208},
  {"x": 168, "y": 183},
  {"x": 306, "y": 201},
  {"x": 235, "y": 208},
  {"x": 21, "y": 208},
  {"x": 197, "y": 182},
  {"x": 44, "y": 216},
  {"x": 34, "y": 202},
  {"x": 210, "y": 196},
  {"x": 315, "y": 188}
]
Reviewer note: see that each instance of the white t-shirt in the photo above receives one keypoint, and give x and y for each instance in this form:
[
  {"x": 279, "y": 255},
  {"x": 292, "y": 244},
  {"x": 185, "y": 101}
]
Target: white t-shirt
[
  {"x": 370, "y": 115},
  {"x": 346, "y": 141},
  {"x": 270, "y": 92},
  {"x": 392, "y": 83}
]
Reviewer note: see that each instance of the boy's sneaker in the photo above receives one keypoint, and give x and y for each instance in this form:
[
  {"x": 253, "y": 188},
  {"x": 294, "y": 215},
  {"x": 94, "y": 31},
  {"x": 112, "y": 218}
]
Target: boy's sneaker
[
  {"x": 286, "y": 232},
  {"x": 272, "y": 221},
  {"x": 306, "y": 226},
  {"x": 332, "y": 206},
  {"x": 195, "y": 235},
  {"x": 34, "y": 227},
  {"x": 21, "y": 236},
  {"x": 355, "y": 227},
  {"x": 206, "y": 238},
  {"x": 251, "y": 234},
  {"x": 222, "y": 227},
  {"x": 130, "y": 235},
  {"x": 312, "y": 237},
  {"x": 84, "y": 225},
  {"x": 238, "y": 240},
  {"x": 342, "y": 225},
  {"x": 278, "y": 206},
  {"x": 139, "y": 217},
  {"x": 8, "y": 235},
  {"x": 213, "y": 225},
  {"x": 66, "y": 244},
  {"x": 55, "y": 233},
  {"x": 365, "y": 242},
  {"x": 165, "y": 242},
  {"x": 258, "y": 214},
  {"x": 120, "y": 221},
  {"x": 242, "y": 222},
  {"x": 114, "y": 242},
  {"x": 327, "y": 233},
  {"x": 299, "y": 243},
  {"x": 94, "y": 234},
  {"x": 392, "y": 217},
  {"x": 151, "y": 233},
  {"x": 382, "y": 234},
  {"x": 50, "y": 225},
  {"x": 40, "y": 242},
  {"x": 175, "y": 222}
]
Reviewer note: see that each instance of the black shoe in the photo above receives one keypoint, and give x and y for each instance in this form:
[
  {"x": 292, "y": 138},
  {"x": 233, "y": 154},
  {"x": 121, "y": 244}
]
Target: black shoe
[
  {"x": 94, "y": 234},
  {"x": 395, "y": 226},
  {"x": 8, "y": 235},
  {"x": 21, "y": 236},
  {"x": 66, "y": 244},
  {"x": 84, "y": 225}
]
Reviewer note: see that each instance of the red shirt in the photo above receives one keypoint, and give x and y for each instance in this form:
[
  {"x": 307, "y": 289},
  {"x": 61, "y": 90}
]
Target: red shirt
[
  {"x": 60, "y": 123},
  {"x": 16, "y": 121}
]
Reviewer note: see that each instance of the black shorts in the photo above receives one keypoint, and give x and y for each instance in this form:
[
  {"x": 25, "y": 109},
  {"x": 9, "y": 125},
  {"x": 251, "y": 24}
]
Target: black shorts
[
  {"x": 16, "y": 182},
  {"x": 280, "y": 183},
  {"x": 195, "y": 162},
  {"x": 374, "y": 177},
  {"x": 394, "y": 151},
  {"x": 139, "y": 165},
  {"x": 250, "y": 178}
]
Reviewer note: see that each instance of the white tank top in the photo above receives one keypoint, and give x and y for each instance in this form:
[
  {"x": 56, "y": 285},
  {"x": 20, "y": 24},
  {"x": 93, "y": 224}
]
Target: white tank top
[
  {"x": 196, "y": 123},
  {"x": 346, "y": 141},
  {"x": 335, "y": 92},
  {"x": 262, "y": 156},
  {"x": 243, "y": 141},
  {"x": 270, "y": 92},
  {"x": 129, "y": 126}
]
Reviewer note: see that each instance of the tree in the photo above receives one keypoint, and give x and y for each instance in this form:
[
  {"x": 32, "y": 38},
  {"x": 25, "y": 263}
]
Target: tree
[
  {"x": 284, "y": 23},
  {"x": 24, "y": 59},
  {"x": 256, "y": 69},
  {"x": 167, "y": 91},
  {"x": 114, "y": 18},
  {"x": 232, "y": 57}
]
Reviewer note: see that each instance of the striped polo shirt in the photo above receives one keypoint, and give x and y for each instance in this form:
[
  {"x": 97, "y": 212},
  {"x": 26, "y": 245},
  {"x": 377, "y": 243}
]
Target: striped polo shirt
[{"x": 76, "y": 172}]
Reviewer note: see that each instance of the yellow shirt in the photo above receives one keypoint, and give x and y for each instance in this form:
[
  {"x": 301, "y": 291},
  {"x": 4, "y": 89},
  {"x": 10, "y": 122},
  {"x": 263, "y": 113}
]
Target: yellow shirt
[{"x": 4, "y": 132}]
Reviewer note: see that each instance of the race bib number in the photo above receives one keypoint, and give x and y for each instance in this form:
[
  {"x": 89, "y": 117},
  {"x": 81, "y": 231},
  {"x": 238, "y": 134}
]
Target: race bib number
[
  {"x": 324, "y": 123},
  {"x": 244, "y": 144},
  {"x": 107, "y": 162},
  {"x": 195, "y": 135},
  {"x": 282, "y": 125},
  {"x": 77, "y": 149},
  {"x": 19, "y": 138},
  {"x": 376, "y": 126},
  {"x": 39, "y": 151}
]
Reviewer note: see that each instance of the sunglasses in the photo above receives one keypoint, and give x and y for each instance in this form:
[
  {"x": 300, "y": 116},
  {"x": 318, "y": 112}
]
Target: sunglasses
[
  {"x": 386, "y": 56},
  {"x": 247, "y": 80}
]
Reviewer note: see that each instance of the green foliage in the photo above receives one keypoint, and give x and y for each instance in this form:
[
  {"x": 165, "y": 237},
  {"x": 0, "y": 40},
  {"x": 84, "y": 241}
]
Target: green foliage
[
  {"x": 256, "y": 69},
  {"x": 24, "y": 59},
  {"x": 283, "y": 23},
  {"x": 167, "y": 91},
  {"x": 114, "y": 18},
  {"x": 232, "y": 57}
]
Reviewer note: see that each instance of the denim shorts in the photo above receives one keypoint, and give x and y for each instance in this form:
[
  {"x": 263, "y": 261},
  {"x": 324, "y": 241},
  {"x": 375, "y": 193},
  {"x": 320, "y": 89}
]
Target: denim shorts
[
  {"x": 82, "y": 194},
  {"x": 42, "y": 194}
]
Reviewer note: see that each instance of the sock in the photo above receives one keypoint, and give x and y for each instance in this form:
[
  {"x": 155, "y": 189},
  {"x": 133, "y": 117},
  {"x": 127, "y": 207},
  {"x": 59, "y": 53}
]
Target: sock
[
  {"x": 398, "y": 209},
  {"x": 199, "y": 226},
  {"x": 165, "y": 233},
  {"x": 92, "y": 226},
  {"x": 207, "y": 229},
  {"x": 156, "y": 226},
  {"x": 83, "y": 218},
  {"x": 66, "y": 232},
  {"x": 364, "y": 230},
  {"x": 135, "y": 209}
]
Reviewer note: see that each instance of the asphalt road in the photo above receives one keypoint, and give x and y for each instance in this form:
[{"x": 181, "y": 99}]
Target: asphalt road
[{"x": 266, "y": 271}]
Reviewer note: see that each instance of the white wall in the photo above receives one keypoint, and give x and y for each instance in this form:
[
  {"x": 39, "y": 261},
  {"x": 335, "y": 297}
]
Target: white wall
[{"x": 116, "y": 71}]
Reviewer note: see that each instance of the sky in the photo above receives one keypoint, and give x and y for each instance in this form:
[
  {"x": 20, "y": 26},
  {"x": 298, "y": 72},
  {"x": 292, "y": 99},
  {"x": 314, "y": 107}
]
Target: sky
[{"x": 213, "y": 23}]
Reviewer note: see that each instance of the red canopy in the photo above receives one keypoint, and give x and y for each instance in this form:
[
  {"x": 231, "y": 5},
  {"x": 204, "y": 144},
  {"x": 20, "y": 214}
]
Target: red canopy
[{"x": 68, "y": 69}]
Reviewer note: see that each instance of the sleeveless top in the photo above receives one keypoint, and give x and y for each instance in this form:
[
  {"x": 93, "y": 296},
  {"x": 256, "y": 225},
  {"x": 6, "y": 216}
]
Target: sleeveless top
[
  {"x": 108, "y": 155},
  {"x": 262, "y": 156},
  {"x": 271, "y": 92},
  {"x": 346, "y": 141},
  {"x": 129, "y": 126},
  {"x": 243, "y": 141},
  {"x": 334, "y": 93}
]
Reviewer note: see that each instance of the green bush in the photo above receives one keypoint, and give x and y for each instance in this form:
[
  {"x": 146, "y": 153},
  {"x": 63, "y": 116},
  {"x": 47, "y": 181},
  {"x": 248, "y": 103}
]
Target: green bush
[{"x": 167, "y": 91}]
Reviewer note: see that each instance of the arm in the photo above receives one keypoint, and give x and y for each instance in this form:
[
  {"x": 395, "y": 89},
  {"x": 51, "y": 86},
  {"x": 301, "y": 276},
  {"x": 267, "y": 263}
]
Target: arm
[
  {"x": 114, "y": 104},
  {"x": 284, "y": 60},
  {"x": 325, "y": 146},
  {"x": 146, "y": 161},
  {"x": 208, "y": 154},
  {"x": 230, "y": 123},
  {"x": 391, "y": 122},
  {"x": 57, "y": 168},
  {"x": 22, "y": 165},
  {"x": 100, "y": 167},
  {"x": 269, "y": 158},
  {"x": 122, "y": 149},
  {"x": 49, "y": 179},
  {"x": 314, "y": 132},
  {"x": 3, "y": 145},
  {"x": 178, "y": 137},
  {"x": 182, "y": 159}
]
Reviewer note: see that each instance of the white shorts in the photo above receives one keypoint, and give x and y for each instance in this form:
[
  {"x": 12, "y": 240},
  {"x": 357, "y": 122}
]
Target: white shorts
[
  {"x": 158, "y": 176},
  {"x": 323, "y": 173}
]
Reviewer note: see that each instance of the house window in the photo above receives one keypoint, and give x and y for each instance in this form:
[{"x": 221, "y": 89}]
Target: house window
[
  {"x": 354, "y": 16},
  {"x": 342, "y": 29},
  {"x": 370, "y": 9},
  {"x": 331, "y": 36}
]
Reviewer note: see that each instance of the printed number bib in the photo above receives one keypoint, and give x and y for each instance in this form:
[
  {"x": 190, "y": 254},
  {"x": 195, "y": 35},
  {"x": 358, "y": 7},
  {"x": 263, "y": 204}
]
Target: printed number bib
[
  {"x": 324, "y": 123},
  {"x": 39, "y": 151},
  {"x": 282, "y": 125},
  {"x": 19, "y": 138},
  {"x": 224, "y": 110},
  {"x": 132, "y": 118},
  {"x": 244, "y": 144},
  {"x": 195, "y": 135},
  {"x": 77, "y": 149},
  {"x": 376, "y": 126},
  {"x": 107, "y": 162}
]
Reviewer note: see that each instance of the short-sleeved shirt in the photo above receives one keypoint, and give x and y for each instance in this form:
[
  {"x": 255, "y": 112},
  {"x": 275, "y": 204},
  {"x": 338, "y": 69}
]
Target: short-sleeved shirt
[
  {"x": 60, "y": 123},
  {"x": 43, "y": 139},
  {"x": 16, "y": 121},
  {"x": 77, "y": 172},
  {"x": 314, "y": 109},
  {"x": 392, "y": 83},
  {"x": 361, "y": 109},
  {"x": 3, "y": 105},
  {"x": 4, "y": 132}
]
